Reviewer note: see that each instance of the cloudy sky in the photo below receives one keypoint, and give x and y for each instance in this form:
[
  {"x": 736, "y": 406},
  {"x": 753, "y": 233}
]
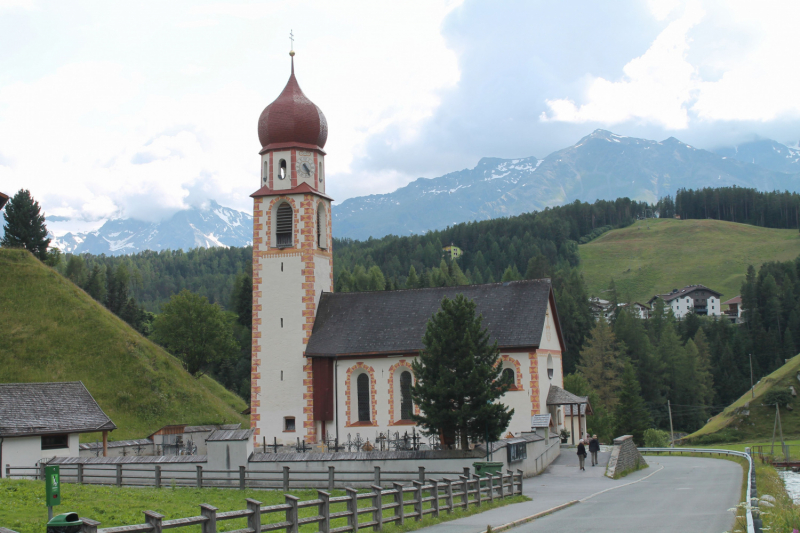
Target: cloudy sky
[{"x": 140, "y": 109}]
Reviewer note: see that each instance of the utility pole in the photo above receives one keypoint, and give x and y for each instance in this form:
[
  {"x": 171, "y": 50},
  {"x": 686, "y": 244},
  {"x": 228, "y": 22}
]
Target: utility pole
[
  {"x": 671, "y": 432},
  {"x": 752, "y": 387}
]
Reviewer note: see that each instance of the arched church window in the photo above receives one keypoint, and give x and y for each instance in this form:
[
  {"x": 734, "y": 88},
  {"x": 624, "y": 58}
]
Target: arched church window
[
  {"x": 282, "y": 169},
  {"x": 406, "y": 403},
  {"x": 283, "y": 226},
  {"x": 362, "y": 389},
  {"x": 320, "y": 171},
  {"x": 508, "y": 375},
  {"x": 549, "y": 366},
  {"x": 265, "y": 175}
]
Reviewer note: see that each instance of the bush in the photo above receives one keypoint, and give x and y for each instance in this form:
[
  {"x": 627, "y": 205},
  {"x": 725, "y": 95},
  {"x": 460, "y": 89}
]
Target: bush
[
  {"x": 725, "y": 436},
  {"x": 656, "y": 438},
  {"x": 777, "y": 396}
]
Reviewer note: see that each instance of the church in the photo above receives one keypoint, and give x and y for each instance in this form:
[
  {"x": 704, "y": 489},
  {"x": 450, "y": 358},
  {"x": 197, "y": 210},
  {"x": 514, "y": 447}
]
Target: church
[{"x": 327, "y": 364}]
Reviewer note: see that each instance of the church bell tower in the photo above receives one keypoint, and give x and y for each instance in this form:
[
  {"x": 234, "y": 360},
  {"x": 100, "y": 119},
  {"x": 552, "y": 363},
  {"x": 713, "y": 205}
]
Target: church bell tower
[{"x": 292, "y": 265}]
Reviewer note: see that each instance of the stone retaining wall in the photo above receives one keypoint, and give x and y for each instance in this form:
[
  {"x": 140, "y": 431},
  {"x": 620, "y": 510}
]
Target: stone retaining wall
[{"x": 625, "y": 457}]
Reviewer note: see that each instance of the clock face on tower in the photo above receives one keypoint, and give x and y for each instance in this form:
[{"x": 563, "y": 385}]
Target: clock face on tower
[{"x": 305, "y": 165}]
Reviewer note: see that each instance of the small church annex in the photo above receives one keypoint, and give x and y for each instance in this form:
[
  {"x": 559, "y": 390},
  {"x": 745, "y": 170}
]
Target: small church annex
[{"x": 326, "y": 364}]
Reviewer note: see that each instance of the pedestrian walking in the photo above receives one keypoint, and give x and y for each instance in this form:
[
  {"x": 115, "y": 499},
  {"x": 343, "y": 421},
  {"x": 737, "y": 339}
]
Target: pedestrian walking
[
  {"x": 594, "y": 447},
  {"x": 581, "y": 454}
]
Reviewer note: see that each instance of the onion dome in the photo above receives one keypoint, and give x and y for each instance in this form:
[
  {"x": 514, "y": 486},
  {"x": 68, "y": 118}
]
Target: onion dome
[{"x": 292, "y": 119}]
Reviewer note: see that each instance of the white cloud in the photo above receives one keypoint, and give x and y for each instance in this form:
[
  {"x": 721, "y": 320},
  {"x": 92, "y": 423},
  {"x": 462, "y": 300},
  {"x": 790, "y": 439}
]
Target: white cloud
[
  {"x": 665, "y": 87},
  {"x": 655, "y": 87},
  {"x": 174, "y": 124}
]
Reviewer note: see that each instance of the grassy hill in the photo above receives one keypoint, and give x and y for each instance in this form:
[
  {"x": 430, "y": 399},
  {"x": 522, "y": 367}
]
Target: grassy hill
[
  {"x": 747, "y": 419},
  {"x": 50, "y": 330},
  {"x": 658, "y": 255}
]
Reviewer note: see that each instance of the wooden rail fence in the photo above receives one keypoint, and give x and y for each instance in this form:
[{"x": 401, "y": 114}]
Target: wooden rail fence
[
  {"x": 381, "y": 506},
  {"x": 157, "y": 475}
]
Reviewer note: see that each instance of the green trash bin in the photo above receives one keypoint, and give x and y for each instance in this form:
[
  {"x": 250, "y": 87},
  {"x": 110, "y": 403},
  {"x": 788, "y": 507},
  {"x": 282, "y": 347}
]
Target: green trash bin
[
  {"x": 65, "y": 523},
  {"x": 484, "y": 468}
]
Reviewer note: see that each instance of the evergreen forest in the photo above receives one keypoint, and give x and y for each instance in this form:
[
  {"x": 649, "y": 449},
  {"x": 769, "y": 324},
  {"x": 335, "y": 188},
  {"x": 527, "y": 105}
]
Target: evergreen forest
[{"x": 629, "y": 368}]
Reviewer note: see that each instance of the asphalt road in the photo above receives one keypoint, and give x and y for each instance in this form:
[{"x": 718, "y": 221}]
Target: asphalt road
[{"x": 684, "y": 494}]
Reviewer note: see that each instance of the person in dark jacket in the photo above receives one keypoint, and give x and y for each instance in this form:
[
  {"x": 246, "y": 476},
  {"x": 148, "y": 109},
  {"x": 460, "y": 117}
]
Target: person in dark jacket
[
  {"x": 594, "y": 447},
  {"x": 581, "y": 454}
]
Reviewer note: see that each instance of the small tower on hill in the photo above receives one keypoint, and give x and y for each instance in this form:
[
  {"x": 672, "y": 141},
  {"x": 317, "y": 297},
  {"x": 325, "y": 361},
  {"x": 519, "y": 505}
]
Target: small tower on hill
[{"x": 292, "y": 265}]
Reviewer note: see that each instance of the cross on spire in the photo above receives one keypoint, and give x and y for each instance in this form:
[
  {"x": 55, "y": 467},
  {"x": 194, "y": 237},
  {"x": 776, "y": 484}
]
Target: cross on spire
[{"x": 291, "y": 38}]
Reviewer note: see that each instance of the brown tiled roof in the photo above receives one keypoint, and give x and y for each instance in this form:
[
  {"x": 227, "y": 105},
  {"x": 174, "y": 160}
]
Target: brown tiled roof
[
  {"x": 3, "y": 200},
  {"x": 303, "y": 188},
  {"x": 683, "y": 292},
  {"x": 48, "y": 408},
  {"x": 394, "y": 321},
  {"x": 734, "y": 300}
]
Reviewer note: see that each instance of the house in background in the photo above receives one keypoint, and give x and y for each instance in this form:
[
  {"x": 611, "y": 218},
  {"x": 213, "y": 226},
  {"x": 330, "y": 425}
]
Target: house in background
[
  {"x": 180, "y": 439},
  {"x": 734, "y": 312},
  {"x": 601, "y": 308},
  {"x": 3, "y": 200},
  {"x": 694, "y": 298},
  {"x": 453, "y": 251},
  {"x": 640, "y": 310},
  {"x": 43, "y": 420}
]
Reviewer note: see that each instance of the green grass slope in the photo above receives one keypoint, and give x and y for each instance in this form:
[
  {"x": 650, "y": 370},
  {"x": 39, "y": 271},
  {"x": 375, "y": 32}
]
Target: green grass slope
[
  {"x": 747, "y": 419},
  {"x": 50, "y": 330},
  {"x": 674, "y": 253}
]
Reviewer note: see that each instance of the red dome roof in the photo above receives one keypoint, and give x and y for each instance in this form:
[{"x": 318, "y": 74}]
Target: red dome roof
[{"x": 292, "y": 118}]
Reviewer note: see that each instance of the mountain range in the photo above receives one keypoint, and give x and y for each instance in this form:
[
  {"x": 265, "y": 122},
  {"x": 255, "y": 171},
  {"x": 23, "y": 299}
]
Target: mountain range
[
  {"x": 207, "y": 226},
  {"x": 602, "y": 165}
]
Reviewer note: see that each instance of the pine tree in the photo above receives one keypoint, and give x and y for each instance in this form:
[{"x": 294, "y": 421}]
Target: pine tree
[
  {"x": 242, "y": 300},
  {"x": 96, "y": 285},
  {"x": 632, "y": 415},
  {"x": 412, "y": 281},
  {"x": 601, "y": 365},
  {"x": 538, "y": 267},
  {"x": 457, "y": 275},
  {"x": 76, "y": 271},
  {"x": 511, "y": 274},
  {"x": 458, "y": 380},
  {"x": 25, "y": 227}
]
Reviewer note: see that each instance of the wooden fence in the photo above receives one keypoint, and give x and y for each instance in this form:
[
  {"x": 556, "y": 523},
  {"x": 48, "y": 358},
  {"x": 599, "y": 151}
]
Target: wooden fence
[
  {"x": 159, "y": 475},
  {"x": 380, "y": 506}
]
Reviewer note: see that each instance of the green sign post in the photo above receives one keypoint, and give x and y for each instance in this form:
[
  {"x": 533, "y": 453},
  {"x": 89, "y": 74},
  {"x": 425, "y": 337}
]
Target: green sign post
[{"x": 52, "y": 488}]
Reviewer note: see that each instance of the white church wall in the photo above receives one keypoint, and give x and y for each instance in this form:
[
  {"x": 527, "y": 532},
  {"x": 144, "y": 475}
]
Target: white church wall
[
  {"x": 277, "y": 183},
  {"x": 281, "y": 369}
]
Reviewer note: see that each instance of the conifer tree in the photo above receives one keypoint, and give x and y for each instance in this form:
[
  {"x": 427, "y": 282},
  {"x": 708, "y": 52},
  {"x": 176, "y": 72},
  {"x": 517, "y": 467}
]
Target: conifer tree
[
  {"x": 96, "y": 285},
  {"x": 538, "y": 267},
  {"x": 632, "y": 415},
  {"x": 511, "y": 274},
  {"x": 24, "y": 226},
  {"x": 242, "y": 300},
  {"x": 76, "y": 271},
  {"x": 412, "y": 281},
  {"x": 457, "y": 275},
  {"x": 601, "y": 365},
  {"x": 458, "y": 380}
]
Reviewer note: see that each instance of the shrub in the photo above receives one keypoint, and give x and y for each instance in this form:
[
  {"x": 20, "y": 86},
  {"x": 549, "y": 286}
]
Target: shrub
[
  {"x": 777, "y": 396},
  {"x": 656, "y": 438},
  {"x": 725, "y": 435}
]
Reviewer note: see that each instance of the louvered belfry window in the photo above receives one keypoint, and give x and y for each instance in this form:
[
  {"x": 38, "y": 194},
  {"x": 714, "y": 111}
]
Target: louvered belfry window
[
  {"x": 406, "y": 403},
  {"x": 362, "y": 386},
  {"x": 283, "y": 226}
]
